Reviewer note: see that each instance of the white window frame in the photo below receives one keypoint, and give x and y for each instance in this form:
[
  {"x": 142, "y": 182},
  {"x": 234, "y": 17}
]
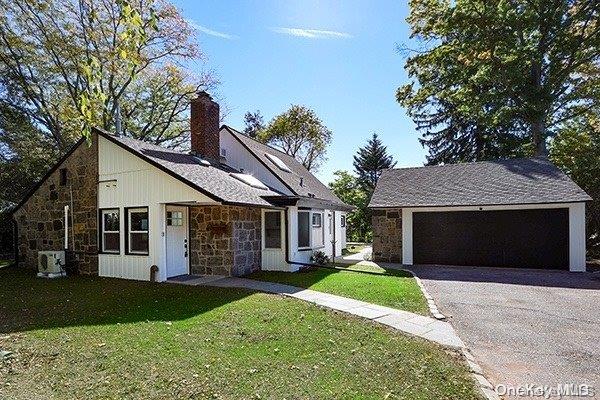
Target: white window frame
[
  {"x": 320, "y": 224},
  {"x": 309, "y": 212},
  {"x": 129, "y": 231},
  {"x": 103, "y": 212},
  {"x": 173, "y": 219}
]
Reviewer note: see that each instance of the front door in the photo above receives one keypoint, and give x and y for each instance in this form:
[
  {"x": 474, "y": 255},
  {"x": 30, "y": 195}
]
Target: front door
[
  {"x": 273, "y": 241},
  {"x": 177, "y": 241}
]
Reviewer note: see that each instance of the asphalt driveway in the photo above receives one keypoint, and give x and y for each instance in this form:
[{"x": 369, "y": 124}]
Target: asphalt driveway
[{"x": 523, "y": 326}]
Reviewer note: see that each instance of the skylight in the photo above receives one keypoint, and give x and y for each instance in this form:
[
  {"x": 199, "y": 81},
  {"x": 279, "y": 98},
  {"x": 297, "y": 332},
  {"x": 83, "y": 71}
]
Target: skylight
[
  {"x": 250, "y": 181},
  {"x": 277, "y": 161}
]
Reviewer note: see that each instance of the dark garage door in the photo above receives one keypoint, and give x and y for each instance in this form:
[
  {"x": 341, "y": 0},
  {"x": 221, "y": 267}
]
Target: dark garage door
[{"x": 511, "y": 238}]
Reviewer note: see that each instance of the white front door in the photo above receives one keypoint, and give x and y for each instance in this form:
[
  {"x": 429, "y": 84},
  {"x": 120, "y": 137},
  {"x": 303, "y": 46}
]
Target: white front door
[{"x": 177, "y": 241}]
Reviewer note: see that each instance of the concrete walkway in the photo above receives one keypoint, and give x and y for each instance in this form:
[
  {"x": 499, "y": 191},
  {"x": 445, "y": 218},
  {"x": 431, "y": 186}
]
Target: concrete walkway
[
  {"x": 418, "y": 325},
  {"x": 354, "y": 258}
]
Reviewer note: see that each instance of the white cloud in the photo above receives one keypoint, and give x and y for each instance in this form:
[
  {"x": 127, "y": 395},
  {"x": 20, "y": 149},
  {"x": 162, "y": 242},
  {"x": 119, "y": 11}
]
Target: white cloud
[
  {"x": 210, "y": 32},
  {"x": 312, "y": 33}
]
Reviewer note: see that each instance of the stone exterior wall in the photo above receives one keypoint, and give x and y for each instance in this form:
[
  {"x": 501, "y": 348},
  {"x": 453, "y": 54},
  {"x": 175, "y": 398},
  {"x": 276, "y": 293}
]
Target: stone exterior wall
[
  {"x": 387, "y": 235},
  {"x": 225, "y": 240},
  {"x": 41, "y": 219}
]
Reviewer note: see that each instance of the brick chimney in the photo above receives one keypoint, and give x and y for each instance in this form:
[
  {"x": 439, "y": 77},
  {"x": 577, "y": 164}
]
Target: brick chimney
[{"x": 204, "y": 125}]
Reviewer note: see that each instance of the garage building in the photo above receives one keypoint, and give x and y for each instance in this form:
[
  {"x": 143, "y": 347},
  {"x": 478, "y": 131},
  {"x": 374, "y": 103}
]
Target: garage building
[{"x": 520, "y": 213}]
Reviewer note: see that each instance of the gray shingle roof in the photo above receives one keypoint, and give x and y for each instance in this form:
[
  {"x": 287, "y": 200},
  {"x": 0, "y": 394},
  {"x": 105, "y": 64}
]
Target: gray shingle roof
[
  {"x": 517, "y": 181},
  {"x": 311, "y": 187},
  {"x": 213, "y": 181}
]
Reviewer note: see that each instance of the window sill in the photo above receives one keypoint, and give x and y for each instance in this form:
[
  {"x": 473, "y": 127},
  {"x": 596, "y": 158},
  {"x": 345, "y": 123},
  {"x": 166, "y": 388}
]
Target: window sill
[{"x": 137, "y": 254}]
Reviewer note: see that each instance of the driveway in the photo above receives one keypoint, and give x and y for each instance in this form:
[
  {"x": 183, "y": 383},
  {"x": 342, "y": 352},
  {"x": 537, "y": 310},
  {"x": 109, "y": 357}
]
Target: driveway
[{"x": 523, "y": 326}]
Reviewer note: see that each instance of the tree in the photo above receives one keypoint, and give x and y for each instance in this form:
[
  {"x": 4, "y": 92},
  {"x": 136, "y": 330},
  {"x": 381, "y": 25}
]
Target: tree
[
  {"x": 346, "y": 187},
  {"x": 299, "y": 133},
  {"x": 69, "y": 63},
  {"x": 370, "y": 161},
  {"x": 576, "y": 150},
  {"x": 254, "y": 123},
  {"x": 25, "y": 154},
  {"x": 494, "y": 75}
]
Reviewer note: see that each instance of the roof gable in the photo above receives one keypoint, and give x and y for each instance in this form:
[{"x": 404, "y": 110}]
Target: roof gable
[
  {"x": 517, "y": 181},
  {"x": 215, "y": 182}
]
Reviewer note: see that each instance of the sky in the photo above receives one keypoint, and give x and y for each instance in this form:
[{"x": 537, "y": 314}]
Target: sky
[{"x": 338, "y": 58}]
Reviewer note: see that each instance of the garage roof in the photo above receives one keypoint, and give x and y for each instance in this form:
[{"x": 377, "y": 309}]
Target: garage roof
[{"x": 517, "y": 181}]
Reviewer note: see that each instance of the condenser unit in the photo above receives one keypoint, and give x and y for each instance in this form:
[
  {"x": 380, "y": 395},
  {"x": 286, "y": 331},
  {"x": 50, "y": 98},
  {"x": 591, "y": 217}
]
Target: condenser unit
[{"x": 51, "y": 264}]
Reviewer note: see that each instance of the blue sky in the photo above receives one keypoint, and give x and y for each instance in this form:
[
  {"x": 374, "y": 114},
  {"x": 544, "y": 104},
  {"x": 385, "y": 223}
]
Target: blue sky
[{"x": 337, "y": 57}]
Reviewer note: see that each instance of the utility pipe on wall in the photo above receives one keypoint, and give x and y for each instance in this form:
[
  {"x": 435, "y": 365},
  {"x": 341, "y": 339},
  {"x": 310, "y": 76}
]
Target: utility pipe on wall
[{"x": 66, "y": 227}]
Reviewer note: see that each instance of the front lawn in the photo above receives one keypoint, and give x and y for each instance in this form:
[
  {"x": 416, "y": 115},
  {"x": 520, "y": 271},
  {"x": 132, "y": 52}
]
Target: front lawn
[
  {"x": 89, "y": 337},
  {"x": 386, "y": 287}
]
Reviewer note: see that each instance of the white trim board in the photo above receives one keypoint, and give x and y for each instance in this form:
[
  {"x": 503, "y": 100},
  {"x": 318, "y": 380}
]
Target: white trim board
[{"x": 577, "y": 245}]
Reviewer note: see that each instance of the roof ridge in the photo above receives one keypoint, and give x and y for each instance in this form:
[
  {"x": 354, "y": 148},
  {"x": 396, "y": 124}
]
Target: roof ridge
[{"x": 471, "y": 163}]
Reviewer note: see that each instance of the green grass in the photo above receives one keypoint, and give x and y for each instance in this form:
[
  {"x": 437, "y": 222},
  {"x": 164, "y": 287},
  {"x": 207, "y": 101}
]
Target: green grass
[
  {"x": 4, "y": 263},
  {"x": 90, "y": 337},
  {"x": 392, "y": 288}
]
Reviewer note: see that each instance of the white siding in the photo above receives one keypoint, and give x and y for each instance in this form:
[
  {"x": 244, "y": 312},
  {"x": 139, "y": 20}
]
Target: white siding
[
  {"x": 303, "y": 256},
  {"x": 340, "y": 233},
  {"x": 127, "y": 181},
  {"x": 239, "y": 157},
  {"x": 577, "y": 237},
  {"x": 577, "y": 243}
]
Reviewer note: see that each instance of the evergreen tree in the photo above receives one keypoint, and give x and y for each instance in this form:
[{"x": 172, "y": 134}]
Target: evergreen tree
[
  {"x": 370, "y": 161},
  {"x": 358, "y": 224},
  {"x": 254, "y": 123}
]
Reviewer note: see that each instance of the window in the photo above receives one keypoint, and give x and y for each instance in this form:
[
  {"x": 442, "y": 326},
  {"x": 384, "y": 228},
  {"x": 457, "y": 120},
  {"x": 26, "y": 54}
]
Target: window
[
  {"x": 63, "y": 176},
  {"x": 110, "y": 232},
  {"x": 272, "y": 230},
  {"x": 317, "y": 220},
  {"x": 137, "y": 231},
  {"x": 303, "y": 229},
  {"x": 174, "y": 218},
  {"x": 343, "y": 222}
]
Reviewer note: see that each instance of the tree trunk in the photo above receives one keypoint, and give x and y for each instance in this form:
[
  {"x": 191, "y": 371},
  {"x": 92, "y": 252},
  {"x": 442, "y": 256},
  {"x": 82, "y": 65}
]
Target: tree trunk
[
  {"x": 538, "y": 125},
  {"x": 538, "y": 138}
]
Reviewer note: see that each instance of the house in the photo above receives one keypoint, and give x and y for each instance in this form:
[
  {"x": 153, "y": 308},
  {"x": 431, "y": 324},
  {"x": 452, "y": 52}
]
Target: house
[
  {"x": 514, "y": 213},
  {"x": 229, "y": 207}
]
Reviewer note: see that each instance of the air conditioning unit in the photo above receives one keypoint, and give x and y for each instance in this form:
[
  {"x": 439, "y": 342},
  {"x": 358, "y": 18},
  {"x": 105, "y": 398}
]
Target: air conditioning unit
[{"x": 51, "y": 264}]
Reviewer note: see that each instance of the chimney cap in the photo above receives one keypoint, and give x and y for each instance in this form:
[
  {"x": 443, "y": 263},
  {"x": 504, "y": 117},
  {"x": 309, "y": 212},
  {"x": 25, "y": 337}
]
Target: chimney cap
[{"x": 203, "y": 95}]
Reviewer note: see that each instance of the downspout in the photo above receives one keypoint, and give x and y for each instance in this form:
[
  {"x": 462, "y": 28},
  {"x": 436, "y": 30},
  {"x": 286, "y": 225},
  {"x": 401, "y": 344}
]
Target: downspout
[
  {"x": 287, "y": 246},
  {"x": 333, "y": 242},
  {"x": 287, "y": 253}
]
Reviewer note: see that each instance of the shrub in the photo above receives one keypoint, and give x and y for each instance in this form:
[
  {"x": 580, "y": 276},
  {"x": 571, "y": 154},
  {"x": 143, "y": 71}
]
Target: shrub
[{"x": 319, "y": 258}]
